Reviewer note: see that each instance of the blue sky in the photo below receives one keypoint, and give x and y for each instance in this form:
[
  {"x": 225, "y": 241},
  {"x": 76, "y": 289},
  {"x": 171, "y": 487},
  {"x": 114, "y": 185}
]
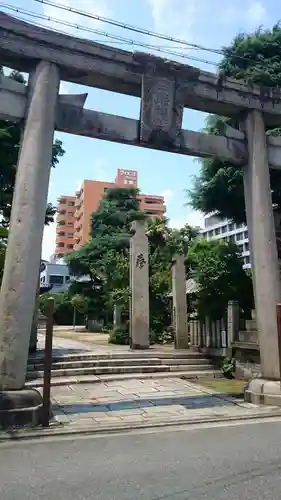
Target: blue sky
[{"x": 211, "y": 23}]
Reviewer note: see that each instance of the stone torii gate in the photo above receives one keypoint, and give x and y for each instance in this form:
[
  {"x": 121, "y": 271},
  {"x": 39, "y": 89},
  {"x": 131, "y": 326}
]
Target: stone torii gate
[{"x": 165, "y": 88}]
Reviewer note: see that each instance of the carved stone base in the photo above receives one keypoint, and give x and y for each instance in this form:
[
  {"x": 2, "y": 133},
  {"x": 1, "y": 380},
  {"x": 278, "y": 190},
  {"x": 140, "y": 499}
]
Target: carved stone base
[
  {"x": 20, "y": 408},
  {"x": 264, "y": 392}
]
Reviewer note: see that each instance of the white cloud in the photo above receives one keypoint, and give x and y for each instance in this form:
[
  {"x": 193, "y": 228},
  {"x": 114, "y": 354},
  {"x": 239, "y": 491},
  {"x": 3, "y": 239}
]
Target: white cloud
[
  {"x": 253, "y": 15},
  {"x": 167, "y": 194},
  {"x": 256, "y": 13},
  {"x": 174, "y": 17},
  {"x": 192, "y": 217},
  {"x": 97, "y": 7},
  {"x": 100, "y": 170},
  {"x": 49, "y": 241},
  {"x": 64, "y": 87}
]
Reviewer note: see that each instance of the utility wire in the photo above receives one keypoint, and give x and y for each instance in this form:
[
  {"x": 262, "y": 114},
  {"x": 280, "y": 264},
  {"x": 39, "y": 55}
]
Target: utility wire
[
  {"x": 135, "y": 29},
  {"x": 116, "y": 38}
]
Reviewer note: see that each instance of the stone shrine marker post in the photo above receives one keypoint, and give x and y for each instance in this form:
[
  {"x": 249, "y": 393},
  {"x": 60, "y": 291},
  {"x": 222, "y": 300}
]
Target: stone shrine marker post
[
  {"x": 139, "y": 284},
  {"x": 179, "y": 303}
]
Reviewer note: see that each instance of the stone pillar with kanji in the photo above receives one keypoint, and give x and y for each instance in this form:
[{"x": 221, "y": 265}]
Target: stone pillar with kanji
[
  {"x": 139, "y": 285},
  {"x": 179, "y": 303}
]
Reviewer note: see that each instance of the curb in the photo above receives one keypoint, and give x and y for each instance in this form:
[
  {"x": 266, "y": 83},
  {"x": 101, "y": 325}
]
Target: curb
[{"x": 66, "y": 430}]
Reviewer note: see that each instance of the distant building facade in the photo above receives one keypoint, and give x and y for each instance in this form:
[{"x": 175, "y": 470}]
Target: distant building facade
[
  {"x": 216, "y": 228},
  {"x": 56, "y": 275},
  {"x": 74, "y": 212}
]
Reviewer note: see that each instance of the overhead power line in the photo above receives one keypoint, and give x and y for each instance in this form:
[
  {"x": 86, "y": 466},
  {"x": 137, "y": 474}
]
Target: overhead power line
[
  {"x": 129, "y": 27},
  {"x": 135, "y": 29},
  {"x": 113, "y": 38}
]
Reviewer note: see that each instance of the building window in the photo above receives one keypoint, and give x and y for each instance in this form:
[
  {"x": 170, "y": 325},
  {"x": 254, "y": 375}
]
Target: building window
[
  {"x": 224, "y": 229},
  {"x": 55, "y": 279},
  {"x": 105, "y": 190},
  {"x": 70, "y": 203},
  {"x": 247, "y": 259},
  {"x": 240, "y": 248},
  {"x": 62, "y": 212},
  {"x": 239, "y": 226},
  {"x": 70, "y": 246},
  {"x": 67, "y": 279},
  {"x": 246, "y": 235},
  {"x": 217, "y": 231},
  {"x": 43, "y": 279},
  {"x": 230, "y": 227},
  {"x": 61, "y": 233},
  {"x": 239, "y": 236},
  {"x": 60, "y": 245},
  {"x": 211, "y": 233},
  {"x": 246, "y": 246},
  {"x": 231, "y": 238},
  {"x": 70, "y": 235}
]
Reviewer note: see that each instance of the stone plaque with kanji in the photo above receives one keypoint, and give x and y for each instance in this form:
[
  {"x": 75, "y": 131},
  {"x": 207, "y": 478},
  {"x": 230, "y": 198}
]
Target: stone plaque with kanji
[{"x": 161, "y": 111}]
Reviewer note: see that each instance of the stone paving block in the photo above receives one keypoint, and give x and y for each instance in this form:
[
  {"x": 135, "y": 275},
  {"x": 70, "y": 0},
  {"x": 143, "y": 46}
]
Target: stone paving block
[
  {"x": 158, "y": 410},
  {"x": 127, "y": 412},
  {"x": 123, "y": 405},
  {"x": 82, "y": 416},
  {"x": 100, "y": 408},
  {"x": 107, "y": 420},
  {"x": 62, "y": 418},
  {"x": 145, "y": 389},
  {"x": 106, "y": 400}
]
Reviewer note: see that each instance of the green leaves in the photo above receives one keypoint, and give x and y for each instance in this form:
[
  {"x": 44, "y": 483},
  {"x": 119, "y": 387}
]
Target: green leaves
[
  {"x": 256, "y": 59},
  {"x": 217, "y": 268}
]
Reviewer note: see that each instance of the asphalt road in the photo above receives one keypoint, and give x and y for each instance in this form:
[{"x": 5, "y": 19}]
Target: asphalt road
[{"x": 232, "y": 463}]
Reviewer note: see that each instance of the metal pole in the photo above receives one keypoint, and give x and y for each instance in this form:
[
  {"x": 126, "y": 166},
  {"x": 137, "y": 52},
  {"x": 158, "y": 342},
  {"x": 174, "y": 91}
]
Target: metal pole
[{"x": 48, "y": 362}]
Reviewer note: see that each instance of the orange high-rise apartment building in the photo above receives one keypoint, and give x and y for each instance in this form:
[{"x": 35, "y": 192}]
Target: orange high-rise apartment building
[{"x": 74, "y": 212}]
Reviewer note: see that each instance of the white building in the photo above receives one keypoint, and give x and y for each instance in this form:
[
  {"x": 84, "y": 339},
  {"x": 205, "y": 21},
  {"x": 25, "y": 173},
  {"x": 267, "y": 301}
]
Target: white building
[
  {"x": 223, "y": 229},
  {"x": 56, "y": 275}
]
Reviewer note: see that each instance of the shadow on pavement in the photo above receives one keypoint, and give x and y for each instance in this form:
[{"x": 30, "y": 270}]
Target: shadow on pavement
[{"x": 187, "y": 402}]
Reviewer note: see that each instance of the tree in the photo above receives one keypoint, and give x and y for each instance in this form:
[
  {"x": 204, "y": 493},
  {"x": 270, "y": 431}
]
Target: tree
[
  {"x": 105, "y": 258},
  {"x": 164, "y": 244},
  {"x": 256, "y": 59},
  {"x": 10, "y": 136},
  {"x": 217, "y": 268}
]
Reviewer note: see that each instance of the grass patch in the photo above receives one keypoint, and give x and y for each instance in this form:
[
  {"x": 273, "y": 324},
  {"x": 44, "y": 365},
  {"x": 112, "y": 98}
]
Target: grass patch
[{"x": 231, "y": 387}]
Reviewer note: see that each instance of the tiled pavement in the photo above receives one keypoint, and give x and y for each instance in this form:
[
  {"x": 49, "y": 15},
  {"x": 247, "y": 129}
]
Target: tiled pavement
[{"x": 143, "y": 402}]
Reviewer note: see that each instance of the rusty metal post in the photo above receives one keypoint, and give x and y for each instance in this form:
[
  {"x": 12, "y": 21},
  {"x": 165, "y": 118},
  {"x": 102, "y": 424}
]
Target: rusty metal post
[{"x": 48, "y": 362}]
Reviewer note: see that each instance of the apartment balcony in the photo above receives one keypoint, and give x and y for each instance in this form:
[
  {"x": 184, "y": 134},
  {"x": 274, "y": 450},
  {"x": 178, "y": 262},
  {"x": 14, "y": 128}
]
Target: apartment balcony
[{"x": 61, "y": 217}]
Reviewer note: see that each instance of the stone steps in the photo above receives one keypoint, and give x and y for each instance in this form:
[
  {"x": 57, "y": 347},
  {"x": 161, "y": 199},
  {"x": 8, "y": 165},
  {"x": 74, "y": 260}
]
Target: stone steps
[
  {"x": 91, "y": 379},
  {"x": 101, "y": 370},
  {"x": 86, "y": 356},
  {"x": 88, "y": 367},
  {"x": 96, "y": 363}
]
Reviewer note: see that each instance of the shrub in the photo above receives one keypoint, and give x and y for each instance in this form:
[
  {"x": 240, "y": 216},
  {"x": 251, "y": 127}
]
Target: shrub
[
  {"x": 228, "y": 367},
  {"x": 119, "y": 336},
  {"x": 167, "y": 337}
]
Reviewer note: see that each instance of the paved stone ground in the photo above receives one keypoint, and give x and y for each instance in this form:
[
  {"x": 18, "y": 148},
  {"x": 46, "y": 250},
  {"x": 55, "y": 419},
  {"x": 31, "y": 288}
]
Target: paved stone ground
[
  {"x": 137, "y": 401},
  {"x": 143, "y": 402}
]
